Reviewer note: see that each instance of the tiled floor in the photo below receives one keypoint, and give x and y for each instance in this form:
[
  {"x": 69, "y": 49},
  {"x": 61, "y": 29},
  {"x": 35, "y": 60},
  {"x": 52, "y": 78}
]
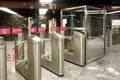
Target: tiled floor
[{"x": 106, "y": 68}]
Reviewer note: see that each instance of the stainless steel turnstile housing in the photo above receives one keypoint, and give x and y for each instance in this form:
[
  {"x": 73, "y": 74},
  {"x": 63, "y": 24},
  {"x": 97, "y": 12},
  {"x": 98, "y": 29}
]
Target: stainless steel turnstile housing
[
  {"x": 3, "y": 63},
  {"x": 56, "y": 64},
  {"x": 31, "y": 69},
  {"x": 76, "y": 54}
]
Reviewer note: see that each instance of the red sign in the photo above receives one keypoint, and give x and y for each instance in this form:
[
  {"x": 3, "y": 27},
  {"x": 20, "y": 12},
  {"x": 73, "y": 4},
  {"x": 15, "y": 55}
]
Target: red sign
[
  {"x": 63, "y": 28},
  {"x": 33, "y": 30},
  {"x": 55, "y": 29},
  {"x": 4, "y": 31},
  {"x": 41, "y": 29},
  {"x": 16, "y": 30}
]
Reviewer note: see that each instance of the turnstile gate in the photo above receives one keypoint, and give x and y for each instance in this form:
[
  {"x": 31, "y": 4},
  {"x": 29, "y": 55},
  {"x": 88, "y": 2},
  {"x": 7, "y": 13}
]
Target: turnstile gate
[
  {"x": 3, "y": 72},
  {"x": 75, "y": 48},
  {"x": 30, "y": 69},
  {"x": 81, "y": 51},
  {"x": 54, "y": 61}
]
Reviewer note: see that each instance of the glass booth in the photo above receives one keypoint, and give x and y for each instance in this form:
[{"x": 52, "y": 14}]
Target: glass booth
[{"x": 91, "y": 21}]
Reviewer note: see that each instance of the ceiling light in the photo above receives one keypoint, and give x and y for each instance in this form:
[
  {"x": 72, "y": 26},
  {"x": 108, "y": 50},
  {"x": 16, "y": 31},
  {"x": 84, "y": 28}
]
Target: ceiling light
[
  {"x": 42, "y": 11},
  {"x": 115, "y": 7},
  {"x": 46, "y": 1},
  {"x": 7, "y": 10},
  {"x": 114, "y": 12}
]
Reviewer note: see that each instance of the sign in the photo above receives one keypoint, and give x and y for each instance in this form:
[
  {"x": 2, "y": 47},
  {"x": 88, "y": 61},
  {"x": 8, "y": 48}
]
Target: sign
[
  {"x": 33, "y": 30},
  {"x": 64, "y": 22},
  {"x": 16, "y": 30},
  {"x": 55, "y": 29},
  {"x": 63, "y": 28},
  {"x": 5, "y": 31},
  {"x": 41, "y": 29}
]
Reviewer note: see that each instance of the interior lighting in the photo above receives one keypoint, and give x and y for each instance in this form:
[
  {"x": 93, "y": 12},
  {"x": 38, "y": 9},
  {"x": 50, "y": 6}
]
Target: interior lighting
[
  {"x": 7, "y": 10},
  {"x": 115, "y": 7},
  {"x": 42, "y": 11},
  {"x": 46, "y": 1}
]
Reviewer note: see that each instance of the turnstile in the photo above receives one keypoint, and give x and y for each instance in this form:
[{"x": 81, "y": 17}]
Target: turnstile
[
  {"x": 54, "y": 61},
  {"x": 75, "y": 48},
  {"x": 3, "y": 67},
  {"x": 30, "y": 68}
]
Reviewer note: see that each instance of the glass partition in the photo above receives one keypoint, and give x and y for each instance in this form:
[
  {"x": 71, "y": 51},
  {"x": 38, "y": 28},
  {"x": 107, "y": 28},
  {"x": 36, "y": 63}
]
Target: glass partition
[{"x": 93, "y": 20}]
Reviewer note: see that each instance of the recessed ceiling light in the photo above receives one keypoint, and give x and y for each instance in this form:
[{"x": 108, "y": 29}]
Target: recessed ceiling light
[
  {"x": 46, "y": 1},
  {"x": 115, "y": 7},
  {"x": 42, "y": 11}
]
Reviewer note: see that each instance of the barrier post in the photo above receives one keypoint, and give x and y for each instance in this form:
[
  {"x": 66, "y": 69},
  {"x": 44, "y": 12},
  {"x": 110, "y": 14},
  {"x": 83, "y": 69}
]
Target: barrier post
[{"x": 3, "y": 72}]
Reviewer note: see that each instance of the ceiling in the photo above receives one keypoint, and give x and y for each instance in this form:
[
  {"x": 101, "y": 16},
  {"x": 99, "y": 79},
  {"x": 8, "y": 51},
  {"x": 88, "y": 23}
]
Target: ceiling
[
  {"x": 115, "y": 2},
  {"x": 34, "y": 11}
]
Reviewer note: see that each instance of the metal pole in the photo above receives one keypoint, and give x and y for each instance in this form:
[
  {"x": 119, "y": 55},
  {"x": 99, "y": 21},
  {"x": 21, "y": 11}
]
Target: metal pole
[
  {"x": 104, "y": 32},
  {"x": 53, "y": 25},
  {"x": 72, "y": 24},
  {"x": 61, "y": 22},
  {"x": 29, "y": 25},
  {"x": 3, "y": 73},
  {"x": 108, "y": 31}
]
